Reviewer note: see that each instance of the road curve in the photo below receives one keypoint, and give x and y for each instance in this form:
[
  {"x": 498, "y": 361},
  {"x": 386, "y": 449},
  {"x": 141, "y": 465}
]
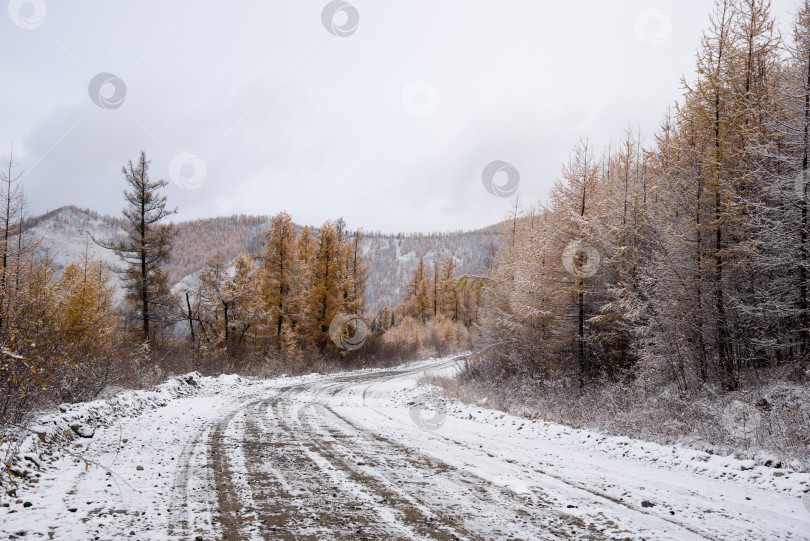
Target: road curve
[
  {"x": 349, "y": 456},
  {"x": 332, "y": 459}
]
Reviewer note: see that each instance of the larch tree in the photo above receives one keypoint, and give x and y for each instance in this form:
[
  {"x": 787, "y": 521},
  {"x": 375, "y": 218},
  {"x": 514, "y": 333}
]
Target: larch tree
[
  {"x": 449, "y": 294},
  {"x": 712, "y": 118},
  {"x": 87, "y": 306},
  {"x": 416, "y": 297},
  {"x": 279, "y": 273},
  {"x": 325, "y": 299},
  {"x": 627, "y": 246},
  {"x": 577, "y": 208},
  {"x": 356, "y": 275},
  {"x": 226, "y": 293},
  {"x": 246, "y": 288},
  {"x": 146, "y": 246}
]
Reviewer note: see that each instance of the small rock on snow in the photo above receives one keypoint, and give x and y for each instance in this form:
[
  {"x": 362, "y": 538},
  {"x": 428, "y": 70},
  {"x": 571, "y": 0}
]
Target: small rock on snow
[{"x": 83, "y": 430}]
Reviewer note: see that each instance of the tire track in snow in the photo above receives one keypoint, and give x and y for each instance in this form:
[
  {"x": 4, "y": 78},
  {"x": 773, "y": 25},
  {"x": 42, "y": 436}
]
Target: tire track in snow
[
  {"x": 506, "y": 515},
  {"x": 605, "y": 501},
  {"x": 285, "y": 491},
  {"x": 281, "y": 507},
  {"x": 311, "y": 473},
  {"x": 404, "y": 513},
  {"x": 471, "y": 494},
  {"x": 179, "y": 502}
]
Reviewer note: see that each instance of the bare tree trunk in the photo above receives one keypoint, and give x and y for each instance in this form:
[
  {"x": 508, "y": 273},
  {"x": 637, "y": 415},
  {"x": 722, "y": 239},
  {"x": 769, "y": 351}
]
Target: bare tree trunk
[
  {"x": 723, "y": 353},
  {"x": 581, "y": 335},
  {"x": 803, "y": 308},
  {"x": 699, "y": 281},
  {"x": 190, "y": 320},
  {"x": 144, "y": 278}
]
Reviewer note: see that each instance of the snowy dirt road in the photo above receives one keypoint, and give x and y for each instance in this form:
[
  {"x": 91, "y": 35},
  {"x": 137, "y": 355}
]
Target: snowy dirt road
[{"x": 344, "y": 457}]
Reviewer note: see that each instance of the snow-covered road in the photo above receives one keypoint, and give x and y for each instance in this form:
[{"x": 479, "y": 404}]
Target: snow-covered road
[{"x": 354, "y": 455}]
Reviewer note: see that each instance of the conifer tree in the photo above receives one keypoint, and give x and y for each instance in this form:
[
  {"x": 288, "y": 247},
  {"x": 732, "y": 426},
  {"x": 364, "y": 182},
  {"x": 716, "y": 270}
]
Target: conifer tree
[
  {"x": 578, "y": 209},
  {"x": 87, "y": 306},
  {"x": 325, "y": 301},
  {"x": 306, "y": 247},
  {"x": 416, "y": 298},
  {"x": 279, "y": 273},
  {"x": 356, "y": 275},
  {"x": 146, "y": 247},
  {"x": 449, "y": 293}
]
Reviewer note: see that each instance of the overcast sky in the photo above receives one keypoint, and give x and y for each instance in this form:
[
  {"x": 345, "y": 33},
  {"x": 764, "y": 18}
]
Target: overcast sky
[{"x": 386, "y": 113}]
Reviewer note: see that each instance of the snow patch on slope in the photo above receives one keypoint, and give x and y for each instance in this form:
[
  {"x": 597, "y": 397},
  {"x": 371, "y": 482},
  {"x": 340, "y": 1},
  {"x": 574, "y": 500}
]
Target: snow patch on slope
[{"x": 65, "y": 235}]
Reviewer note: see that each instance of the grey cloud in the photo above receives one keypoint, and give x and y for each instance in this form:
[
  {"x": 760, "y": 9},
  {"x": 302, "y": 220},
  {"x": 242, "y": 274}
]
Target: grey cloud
[{"x": 286, "y": 115}]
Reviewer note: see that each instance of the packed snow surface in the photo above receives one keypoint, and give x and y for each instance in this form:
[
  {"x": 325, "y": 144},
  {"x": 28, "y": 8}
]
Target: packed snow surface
[{"x": 370, "y": 454}]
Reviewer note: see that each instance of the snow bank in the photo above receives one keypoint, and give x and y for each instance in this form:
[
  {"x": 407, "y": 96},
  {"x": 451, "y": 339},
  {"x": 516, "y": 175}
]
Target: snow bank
[
  {"x": 52, "y": 433},
  {"x": 55, "y": 434},
  {"x": 767, "y": 472}
]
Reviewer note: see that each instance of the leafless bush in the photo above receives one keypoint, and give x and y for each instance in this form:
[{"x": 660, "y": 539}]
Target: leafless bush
[{"x": 656, "y": 413}]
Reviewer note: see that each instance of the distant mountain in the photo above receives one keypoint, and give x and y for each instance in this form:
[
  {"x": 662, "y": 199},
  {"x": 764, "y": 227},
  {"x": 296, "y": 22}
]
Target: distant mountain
[
  {"x": 65, "y": 233},
  {"x": 392, "y": 258},
  {"x": 198, "y": 240}
]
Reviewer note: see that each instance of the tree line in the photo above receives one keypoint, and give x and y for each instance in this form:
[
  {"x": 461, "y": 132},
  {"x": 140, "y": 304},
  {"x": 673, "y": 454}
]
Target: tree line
[
  {"x": 283, "y": 298},
  {"x": 684, "y": 261},
  {"x": 65, "y": 338},
  {"x": 433, "y": 293}
]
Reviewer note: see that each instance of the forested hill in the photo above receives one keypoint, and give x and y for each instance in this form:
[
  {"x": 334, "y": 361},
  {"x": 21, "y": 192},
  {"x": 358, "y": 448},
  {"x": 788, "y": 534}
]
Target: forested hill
[
  {"x": 65, "y": 233},
  {"x": 392, "y": 258}
]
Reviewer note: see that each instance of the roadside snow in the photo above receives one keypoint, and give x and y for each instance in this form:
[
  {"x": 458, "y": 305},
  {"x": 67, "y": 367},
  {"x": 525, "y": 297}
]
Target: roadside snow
[
  {"x": 63, "y": 432},
  {"x": 110, "y": 467},
  {"x": 669, "y": 457}
]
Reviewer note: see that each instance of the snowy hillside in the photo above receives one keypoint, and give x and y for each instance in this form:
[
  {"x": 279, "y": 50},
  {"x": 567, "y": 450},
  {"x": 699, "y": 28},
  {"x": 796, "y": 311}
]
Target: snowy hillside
[
  {"x": 392, "y": 258},
  {"x": 65, "y": 233}
]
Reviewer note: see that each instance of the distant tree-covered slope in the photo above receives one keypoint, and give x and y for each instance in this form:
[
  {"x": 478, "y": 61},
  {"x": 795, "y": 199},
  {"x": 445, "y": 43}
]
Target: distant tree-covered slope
[
  {"x": 390, "y": 258},
  {"x": 198, "y": 240}
]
